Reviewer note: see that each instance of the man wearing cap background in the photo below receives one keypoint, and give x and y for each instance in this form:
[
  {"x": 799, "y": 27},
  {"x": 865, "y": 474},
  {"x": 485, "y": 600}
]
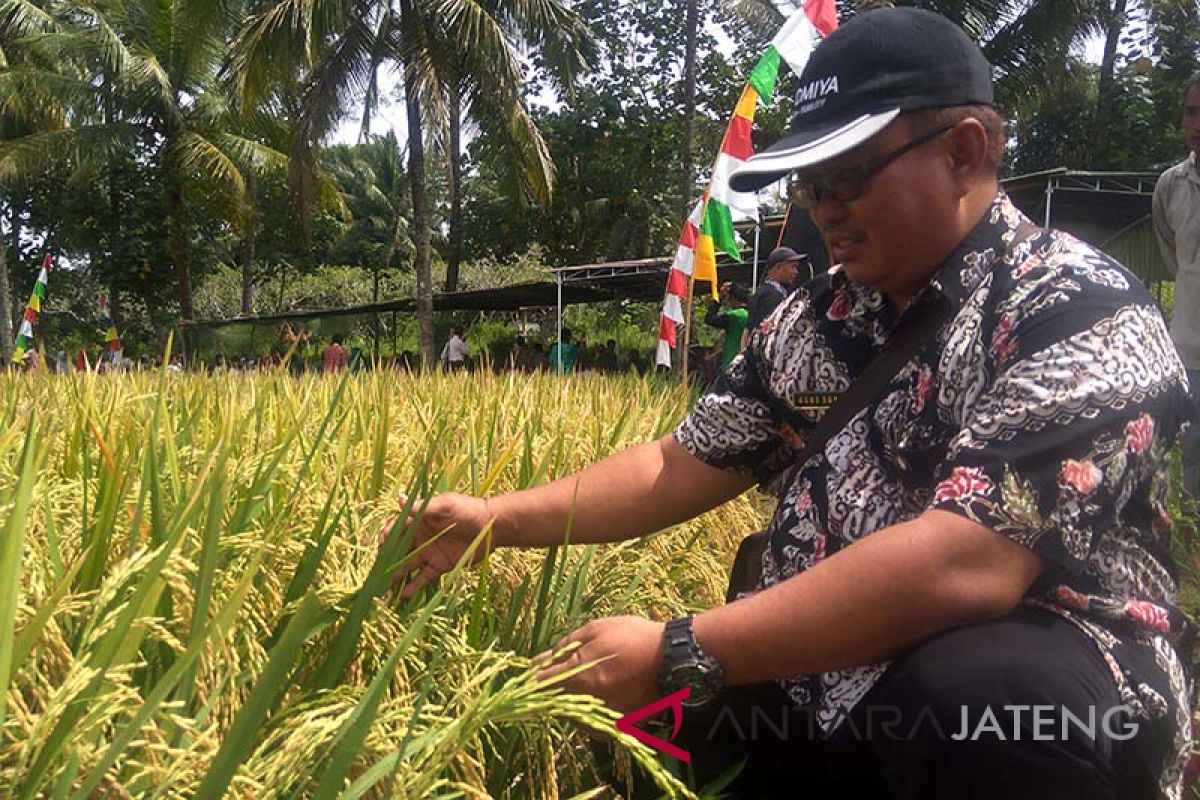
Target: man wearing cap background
[
  {"x": 783, "y": 267},
  {"x": 1177, "y": 226},
  {"x": 983, "y": 547}
]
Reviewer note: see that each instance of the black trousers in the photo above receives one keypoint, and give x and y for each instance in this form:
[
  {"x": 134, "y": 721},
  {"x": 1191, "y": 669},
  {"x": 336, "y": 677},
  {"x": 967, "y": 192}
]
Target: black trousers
[{"x": 924, "y": 731}]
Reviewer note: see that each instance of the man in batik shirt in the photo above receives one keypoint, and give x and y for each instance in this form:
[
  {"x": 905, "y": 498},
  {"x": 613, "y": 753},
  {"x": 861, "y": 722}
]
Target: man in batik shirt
[{"x": 968, "y": 592}]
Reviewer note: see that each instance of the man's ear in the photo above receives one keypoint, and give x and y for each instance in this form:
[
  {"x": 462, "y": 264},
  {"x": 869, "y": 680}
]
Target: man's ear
[{"x": 967, "y": 153}]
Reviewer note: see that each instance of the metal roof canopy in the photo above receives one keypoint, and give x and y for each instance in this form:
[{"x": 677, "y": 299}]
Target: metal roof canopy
[
  {"x": 1093, "y": 206},
  {"x": 637, "y": 280},
  {"x": 507, "y": 298}
]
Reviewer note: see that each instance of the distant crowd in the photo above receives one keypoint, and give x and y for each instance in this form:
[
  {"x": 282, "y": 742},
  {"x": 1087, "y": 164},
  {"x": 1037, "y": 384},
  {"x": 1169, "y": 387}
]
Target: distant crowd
[{"x": 305, "y": 354}]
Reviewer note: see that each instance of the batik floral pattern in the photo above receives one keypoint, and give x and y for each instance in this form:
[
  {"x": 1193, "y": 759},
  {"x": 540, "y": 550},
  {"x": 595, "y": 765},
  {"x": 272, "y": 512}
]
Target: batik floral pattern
[{"x": 1044, "y": 409}]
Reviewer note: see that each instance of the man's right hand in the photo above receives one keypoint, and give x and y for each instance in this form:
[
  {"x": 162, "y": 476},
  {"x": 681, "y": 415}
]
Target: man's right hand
[{"x": 450, "y": 525}]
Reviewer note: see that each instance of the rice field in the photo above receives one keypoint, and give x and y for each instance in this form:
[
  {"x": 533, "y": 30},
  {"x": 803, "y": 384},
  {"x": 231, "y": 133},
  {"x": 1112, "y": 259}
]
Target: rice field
[{"x": 193, "y": 602}]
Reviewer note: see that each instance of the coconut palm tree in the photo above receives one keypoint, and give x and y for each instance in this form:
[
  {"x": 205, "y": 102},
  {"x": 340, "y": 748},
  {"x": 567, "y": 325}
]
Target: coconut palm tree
[
  {"x": 134, "y": 73},
  {"x": 1023, "y": 40},
  {"x": 372, "y": 180},
  {"x": 464, "y": 49}
]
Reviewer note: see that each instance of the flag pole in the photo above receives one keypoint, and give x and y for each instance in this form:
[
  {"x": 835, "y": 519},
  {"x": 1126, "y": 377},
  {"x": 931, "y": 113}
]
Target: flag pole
[
  {"x": 787, "y": 212},
  {"x": 687, "y": 328},
  {"x": 757, "y": 236}
]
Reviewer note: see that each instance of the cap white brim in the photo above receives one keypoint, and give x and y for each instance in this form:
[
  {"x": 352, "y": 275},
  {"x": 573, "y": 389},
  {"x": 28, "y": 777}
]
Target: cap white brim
[{"x": 805, "y": 148}]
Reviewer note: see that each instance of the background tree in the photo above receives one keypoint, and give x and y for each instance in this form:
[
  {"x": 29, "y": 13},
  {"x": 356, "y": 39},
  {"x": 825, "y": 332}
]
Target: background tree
[
  {"x": 339, "y": 47},
  {"x": 136, "y": 76}
]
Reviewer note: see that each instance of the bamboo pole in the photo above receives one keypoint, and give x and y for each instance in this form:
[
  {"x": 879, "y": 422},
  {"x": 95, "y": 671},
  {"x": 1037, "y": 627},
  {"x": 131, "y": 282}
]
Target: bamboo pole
[
  {"x": 687, "y": 327},
  {"x": 787, "y": 212}
]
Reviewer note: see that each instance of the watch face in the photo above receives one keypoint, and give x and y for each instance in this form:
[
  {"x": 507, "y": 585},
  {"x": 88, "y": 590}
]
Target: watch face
[{"x": 705, "y": 681}]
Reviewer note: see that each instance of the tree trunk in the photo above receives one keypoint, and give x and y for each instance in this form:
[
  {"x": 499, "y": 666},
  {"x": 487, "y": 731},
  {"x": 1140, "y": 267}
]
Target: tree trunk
[
  {"x": 688, "y": 176},
  {"x": 177, "y": 246},
  {"x": 16, "y": 305},
  {"x": 421, "y": 233},
  {"x": 453, "y": 188},
  {"x": 249, "y": 235},
  {"x": 1108, "y": 65},
  {"x": 6, "y": 329}
]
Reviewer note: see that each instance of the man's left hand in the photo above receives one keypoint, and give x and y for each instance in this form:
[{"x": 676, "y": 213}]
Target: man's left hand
[{"x": 632, "y": 651}]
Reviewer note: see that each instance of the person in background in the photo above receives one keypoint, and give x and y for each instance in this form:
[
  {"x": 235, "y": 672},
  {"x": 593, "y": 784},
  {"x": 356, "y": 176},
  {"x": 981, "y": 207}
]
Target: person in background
[
  {"x": 635, "y": 362},
  {"x": 537, "y": 356},
  {"x": 334, "y": 358},
  {"x": 563, "y": 354},
  {"x": 1177, "y": 226},
  {"x": 456, "y": 351},
  {"x": 583, "y": 356},
  {"x": 606, "y": 358},
  {"x": 783, "y": 265},
  {"x": 732, "y": 319},
  {"x": 518, "y": 359}
]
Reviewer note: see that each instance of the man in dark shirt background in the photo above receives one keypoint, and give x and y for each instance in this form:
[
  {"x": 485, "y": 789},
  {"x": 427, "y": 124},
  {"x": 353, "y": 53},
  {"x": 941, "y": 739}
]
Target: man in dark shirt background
[{"x": 783, "y": 265}]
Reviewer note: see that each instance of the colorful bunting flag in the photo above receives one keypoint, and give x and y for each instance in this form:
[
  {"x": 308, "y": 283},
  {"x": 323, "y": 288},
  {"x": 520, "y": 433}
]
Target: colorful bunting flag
[
  {"x": 112, "y": 342},
  {"x": 25, "y": 332},
  {"x": 709, "y": 226}
]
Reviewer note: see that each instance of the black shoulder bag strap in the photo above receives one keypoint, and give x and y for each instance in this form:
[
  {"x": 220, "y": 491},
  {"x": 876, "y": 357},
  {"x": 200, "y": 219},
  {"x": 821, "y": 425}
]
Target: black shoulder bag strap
[{"x": 914, "y": 329}]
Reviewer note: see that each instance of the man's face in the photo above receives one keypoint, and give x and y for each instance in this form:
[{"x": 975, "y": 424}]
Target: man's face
[
  {"x": 886, "y": 238},
  {"x": 786, "y": 271},
  {"x": 1191, "y": 119}
]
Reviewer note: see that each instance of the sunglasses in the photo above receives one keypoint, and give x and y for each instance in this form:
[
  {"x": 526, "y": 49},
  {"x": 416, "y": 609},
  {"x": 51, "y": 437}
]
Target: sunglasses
[{"x": 849, "y": 183}]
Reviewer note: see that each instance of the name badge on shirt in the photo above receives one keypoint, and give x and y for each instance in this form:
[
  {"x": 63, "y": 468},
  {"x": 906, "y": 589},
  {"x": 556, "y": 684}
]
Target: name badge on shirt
[{"x": 815, "y": 402}]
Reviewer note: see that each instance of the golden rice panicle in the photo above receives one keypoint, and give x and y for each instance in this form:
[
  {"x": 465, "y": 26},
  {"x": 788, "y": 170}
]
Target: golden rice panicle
[{"x": 199, "y": 601}]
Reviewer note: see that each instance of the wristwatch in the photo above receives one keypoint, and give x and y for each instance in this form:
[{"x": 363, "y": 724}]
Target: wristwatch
[{"x": 685, "y": 665}]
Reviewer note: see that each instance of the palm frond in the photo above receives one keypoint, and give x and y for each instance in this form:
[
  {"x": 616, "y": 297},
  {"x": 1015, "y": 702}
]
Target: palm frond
[
  {"x": 37, "y": 99},
  {"x": 526, "y": 166},
  {"x": 202, "y": 159},
  {"x": 277, "y": 41},
  {"x": 198, "y": 36},
  {"x": 250, "y": 155},
  {"x": 341, "y": 73},
  {"x": 1025, "y": 48},
  {"x": 146, "y": 72},
  {"x": 30, "y": 156},
  {"x": 21, "y": 18},
  {"x": 565, "y": 42},
  {"x": 378, "y": 54}
]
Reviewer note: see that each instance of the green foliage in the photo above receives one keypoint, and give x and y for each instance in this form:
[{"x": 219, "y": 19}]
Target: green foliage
[
  {"x": 617, "y": 140},
  {"x": 123, "y": 148}
]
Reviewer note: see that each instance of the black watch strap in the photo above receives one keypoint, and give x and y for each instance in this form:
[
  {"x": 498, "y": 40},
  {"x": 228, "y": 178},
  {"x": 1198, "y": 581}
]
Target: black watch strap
[
  {"x": 679, "y": 643},
  {"x": 686, "y": 665}
]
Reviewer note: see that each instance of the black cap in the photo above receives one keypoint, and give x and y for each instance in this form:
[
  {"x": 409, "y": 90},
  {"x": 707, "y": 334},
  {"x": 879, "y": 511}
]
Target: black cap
[
  {"x": 783, "y": 254},
  {"x": 861, "y": 77}
]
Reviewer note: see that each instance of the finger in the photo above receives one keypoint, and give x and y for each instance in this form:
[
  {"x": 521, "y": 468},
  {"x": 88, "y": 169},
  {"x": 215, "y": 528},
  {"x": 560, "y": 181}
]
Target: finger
[
  {"x": 404, "y": 572},
  {"x": 561, "y": 656},
  {"x": 559, "y": 663},
  {"x": 419, "y": 581},
  {"x": 386, "y": 530}
]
